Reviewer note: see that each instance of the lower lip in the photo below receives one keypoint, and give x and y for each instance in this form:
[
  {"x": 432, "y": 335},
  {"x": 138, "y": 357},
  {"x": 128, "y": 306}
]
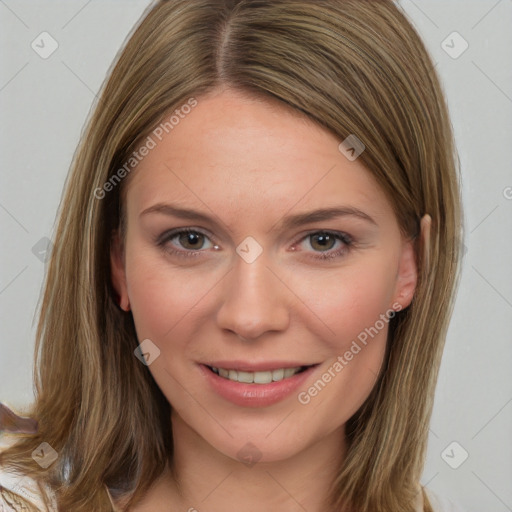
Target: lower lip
[{"x": 255, "y": 395}]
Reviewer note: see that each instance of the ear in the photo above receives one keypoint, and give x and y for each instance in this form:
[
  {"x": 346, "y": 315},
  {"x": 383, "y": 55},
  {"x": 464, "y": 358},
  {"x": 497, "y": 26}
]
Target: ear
[
  {"x": 407, "y": 276},
  {"x": 117, "y": 269}
]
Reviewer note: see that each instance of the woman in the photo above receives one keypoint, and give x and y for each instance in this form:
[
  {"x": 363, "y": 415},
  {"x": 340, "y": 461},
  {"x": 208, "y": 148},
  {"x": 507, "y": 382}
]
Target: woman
[{"x": 253, "y": 271}]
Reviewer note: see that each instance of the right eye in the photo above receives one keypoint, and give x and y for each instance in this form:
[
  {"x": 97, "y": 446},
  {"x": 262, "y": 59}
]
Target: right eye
[{"x": 185, "y": 242}]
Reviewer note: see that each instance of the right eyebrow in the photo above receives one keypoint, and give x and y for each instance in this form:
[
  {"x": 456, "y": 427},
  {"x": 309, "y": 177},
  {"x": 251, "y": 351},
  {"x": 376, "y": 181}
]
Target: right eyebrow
[{"x": 175, "y": 211}]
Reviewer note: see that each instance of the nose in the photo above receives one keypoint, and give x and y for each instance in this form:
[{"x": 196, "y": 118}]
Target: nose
[{"x": 254, "y": 300}]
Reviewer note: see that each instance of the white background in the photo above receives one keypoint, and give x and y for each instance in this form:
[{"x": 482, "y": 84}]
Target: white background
[{"x": 44, "y": 103}]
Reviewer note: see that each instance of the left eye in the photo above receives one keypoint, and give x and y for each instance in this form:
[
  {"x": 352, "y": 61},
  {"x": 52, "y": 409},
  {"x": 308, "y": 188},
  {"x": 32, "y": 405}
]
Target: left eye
[
  {"x": 322, "y": 241},
  {"x": 327, "y": 243}
]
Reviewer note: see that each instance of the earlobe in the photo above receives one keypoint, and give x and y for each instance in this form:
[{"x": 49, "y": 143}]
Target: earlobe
[{"x": 118, "y": 272}]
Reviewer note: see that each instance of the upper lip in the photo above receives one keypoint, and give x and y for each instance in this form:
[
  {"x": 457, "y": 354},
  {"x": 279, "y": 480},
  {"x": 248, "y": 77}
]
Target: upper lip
[{"x": 245, "y": 366}]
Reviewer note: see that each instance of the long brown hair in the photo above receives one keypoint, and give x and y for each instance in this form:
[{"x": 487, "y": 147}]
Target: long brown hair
[{"x": 354, "y": 67}]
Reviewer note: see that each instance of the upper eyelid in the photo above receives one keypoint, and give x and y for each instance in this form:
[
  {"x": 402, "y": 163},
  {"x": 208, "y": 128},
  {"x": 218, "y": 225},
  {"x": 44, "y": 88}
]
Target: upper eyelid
[
  {"x": 341, "y": 236},
  {"x": 171, "y": 233}
]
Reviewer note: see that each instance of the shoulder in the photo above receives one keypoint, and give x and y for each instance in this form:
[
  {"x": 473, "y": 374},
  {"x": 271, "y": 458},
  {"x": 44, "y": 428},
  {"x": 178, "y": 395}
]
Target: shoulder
[
  {"x": 17, "y": 491},
  {"x": 441, "y": 504}
]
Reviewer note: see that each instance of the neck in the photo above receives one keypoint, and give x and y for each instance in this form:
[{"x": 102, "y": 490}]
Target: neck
[{"x": 206, "y": 479}]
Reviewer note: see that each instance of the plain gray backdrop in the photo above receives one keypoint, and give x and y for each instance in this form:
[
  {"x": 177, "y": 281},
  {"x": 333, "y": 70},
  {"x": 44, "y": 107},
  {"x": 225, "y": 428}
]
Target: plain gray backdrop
[{"x": 45, "y": 99}]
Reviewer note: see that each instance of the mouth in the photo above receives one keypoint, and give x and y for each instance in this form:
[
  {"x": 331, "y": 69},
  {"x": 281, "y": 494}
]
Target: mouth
[
  {"x": 258, "y": 377},
  {"x": 251, "y": 384}
]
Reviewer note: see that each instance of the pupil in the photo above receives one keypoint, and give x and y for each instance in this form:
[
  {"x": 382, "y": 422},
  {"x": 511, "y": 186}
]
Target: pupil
[
  {"x": 324, "y": 241},
  {"x": 191, "y": 239}
]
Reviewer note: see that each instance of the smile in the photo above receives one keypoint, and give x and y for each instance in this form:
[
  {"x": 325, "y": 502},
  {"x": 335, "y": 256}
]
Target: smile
[{"x": 260, "y": 377}]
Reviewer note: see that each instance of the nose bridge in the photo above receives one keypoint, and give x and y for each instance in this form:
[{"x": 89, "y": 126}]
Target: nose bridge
[{"x": 253, "y": 300}]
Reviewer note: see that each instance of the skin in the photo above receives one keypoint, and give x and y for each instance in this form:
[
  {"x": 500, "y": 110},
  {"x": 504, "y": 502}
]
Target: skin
[{"x": 247, "y": 164}]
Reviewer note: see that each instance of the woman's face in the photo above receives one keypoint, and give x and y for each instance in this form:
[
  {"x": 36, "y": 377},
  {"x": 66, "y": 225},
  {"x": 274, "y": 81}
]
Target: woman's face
[{"x": 291, "y": 260}]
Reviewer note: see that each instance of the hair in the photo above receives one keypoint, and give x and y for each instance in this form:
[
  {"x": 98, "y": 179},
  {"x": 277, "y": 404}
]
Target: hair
[{"x": 352, "y": 66}]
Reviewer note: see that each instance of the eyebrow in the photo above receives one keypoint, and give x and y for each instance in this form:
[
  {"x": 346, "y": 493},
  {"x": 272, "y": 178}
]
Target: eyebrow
[{"x": 288, "y": 222}]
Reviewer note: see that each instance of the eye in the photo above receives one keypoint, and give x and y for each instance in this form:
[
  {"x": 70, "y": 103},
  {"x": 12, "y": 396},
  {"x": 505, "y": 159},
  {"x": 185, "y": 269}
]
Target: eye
[
  {"x": 322, "y": 241},
  {"x": 327, "y": 244},
  {"x": 185, "y": 242},
  {"x": 191, "y": 240}
]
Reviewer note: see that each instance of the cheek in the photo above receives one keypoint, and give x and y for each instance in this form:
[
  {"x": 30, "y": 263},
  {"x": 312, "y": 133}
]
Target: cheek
[
  {"x": 349, "y": 300},
  {"x": 161, "y": 296},
  {"x": 355, "y": 304}
]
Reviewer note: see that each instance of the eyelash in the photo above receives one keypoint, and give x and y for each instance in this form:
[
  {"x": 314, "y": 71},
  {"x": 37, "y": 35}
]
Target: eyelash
[{"x": 346, "y": 239}]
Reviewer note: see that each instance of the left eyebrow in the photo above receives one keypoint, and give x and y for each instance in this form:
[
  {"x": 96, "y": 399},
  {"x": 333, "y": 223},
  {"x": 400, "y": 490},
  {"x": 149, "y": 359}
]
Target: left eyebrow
[{"x": 323, "y": 214}]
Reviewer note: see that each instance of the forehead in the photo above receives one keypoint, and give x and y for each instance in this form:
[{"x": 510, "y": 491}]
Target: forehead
[{"x": 232, "y": 152}]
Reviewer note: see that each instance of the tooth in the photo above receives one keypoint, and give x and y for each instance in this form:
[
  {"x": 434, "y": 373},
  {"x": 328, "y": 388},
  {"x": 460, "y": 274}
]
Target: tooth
[
  {"x": 278, "y": 374},
  {"x": 289, "y": 372},
  {"x": 246, "y": 377},
  {"x": 263, "y": 377}
]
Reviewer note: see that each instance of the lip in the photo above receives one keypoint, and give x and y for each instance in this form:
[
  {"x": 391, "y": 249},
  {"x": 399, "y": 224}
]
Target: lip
[{"x": 254, "y": 395}]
